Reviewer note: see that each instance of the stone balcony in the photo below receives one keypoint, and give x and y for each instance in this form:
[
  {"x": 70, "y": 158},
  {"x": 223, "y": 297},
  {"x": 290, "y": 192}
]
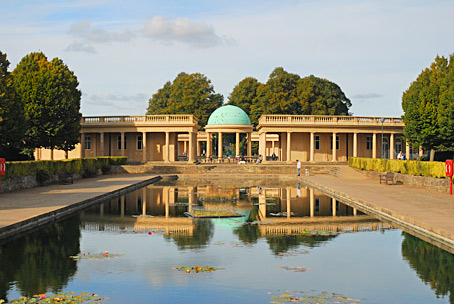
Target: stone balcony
[
  {"x": 139, "y": 120},
  {"x": 329, "y": 120}
]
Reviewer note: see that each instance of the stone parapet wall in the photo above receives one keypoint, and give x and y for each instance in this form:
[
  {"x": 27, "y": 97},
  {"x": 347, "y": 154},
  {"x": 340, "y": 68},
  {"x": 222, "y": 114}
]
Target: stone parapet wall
[{"x": 430, "y": 183}]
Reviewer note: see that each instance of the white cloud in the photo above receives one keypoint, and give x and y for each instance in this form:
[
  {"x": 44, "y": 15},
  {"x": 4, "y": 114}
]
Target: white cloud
[
  {"x": 80, "y": 47},
  {"x": 197, "y": 34},
  {"x": 85, "y": 31}
]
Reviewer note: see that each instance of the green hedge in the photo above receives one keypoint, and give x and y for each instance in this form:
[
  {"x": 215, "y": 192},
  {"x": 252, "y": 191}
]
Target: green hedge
[
  {"x": 24, "y": 168},
  {"x": 412, "y": 167}
]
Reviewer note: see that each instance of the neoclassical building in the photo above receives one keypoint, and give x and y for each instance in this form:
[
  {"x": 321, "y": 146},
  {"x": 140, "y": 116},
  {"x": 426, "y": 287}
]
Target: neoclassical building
[{"x": 169, "y": 138}]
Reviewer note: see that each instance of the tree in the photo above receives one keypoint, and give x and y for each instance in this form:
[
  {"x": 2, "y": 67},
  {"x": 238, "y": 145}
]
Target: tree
[
  {"x": 287, "y": 93},
  {"x": 52, "y": 102},
  {"x": 12, "y": 119},
  {"x": 428, "y": 106},
  {"x": 244, "y": 94},
  {"x": 187, "y": 94}
]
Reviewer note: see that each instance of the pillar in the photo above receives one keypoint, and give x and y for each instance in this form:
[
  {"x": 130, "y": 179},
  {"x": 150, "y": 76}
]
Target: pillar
[
  {"x": 334, "y": 147},
  {"x": 198, "y": 147},
  {"x": 262, "y": 145},
  {"x": 312, "y": 147},
  {"x": 167, "y": 147},
  {"x": 122, "y": 143},
  {"x": 220, "y": 145},
  {"x": 82, "y": 144},
  {"x": 374, "y": 145},
  {"x": 407, "y": 151},
  {"x": 421, "y": 152},
  {"x": 209, "y": 145},
  {"x": 144, "y": 147},
  {"x": 391, "y": 146},
  {"x": 191, "y": 151},
  {"x": 288, "y": 202},
  {"x": 355, "y": 211},
  {"x": 249, "y": 146},
  {"x": 237, "y": 144},
  {"x": 289, "y": 147},
  {"x": 311, "y": 202},
  {"x": 101, "y": 148},
  {"x": 333, "y": 204},
  {"x": 355, "y": 144}
]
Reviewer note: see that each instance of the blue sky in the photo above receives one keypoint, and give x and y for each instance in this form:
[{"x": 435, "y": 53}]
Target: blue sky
[{"x": 123, "y": 51}]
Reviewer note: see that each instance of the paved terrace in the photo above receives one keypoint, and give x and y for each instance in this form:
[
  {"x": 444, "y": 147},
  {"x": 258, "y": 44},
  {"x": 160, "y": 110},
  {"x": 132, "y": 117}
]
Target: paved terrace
[
  {"x": 26, "y": 209},
  {"x": 429, "y": 213}
]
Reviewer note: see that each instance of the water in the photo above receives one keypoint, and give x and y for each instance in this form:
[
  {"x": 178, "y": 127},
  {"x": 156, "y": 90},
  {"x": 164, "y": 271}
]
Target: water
[{"x": 353, "y": 255}]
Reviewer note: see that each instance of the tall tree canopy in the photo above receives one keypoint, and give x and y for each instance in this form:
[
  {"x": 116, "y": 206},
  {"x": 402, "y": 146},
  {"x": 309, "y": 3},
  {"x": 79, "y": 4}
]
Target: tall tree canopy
[
  {"x": 12, "y": 120},
  {"x": 187, "y": 94},
  {"x": 49, "y": 92},
  {"x": 287, "y": 93},
  {"x": 428, "y": 106}
]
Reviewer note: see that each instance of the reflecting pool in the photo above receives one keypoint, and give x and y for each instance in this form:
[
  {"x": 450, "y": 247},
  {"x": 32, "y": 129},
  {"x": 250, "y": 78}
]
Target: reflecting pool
[{"x": 201, "y": 242}]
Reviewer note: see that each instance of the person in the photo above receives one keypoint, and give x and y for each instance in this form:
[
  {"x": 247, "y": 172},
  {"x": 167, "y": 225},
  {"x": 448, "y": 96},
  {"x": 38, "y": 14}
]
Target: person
[
  {"x": 274, "y": 157},
  {"x": 400, "y": 155},
  {"x": 259, "y": 160},
  {"x": 298, "y": 167},
  {"x": 184, "y": 153}
]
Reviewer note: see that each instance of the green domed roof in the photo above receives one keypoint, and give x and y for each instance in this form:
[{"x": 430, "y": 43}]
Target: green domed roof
[{"x": 229, "y": 115}]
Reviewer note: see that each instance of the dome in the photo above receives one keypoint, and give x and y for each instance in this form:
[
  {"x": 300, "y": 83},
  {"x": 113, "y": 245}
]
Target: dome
[{"x": 229, "y": 115}]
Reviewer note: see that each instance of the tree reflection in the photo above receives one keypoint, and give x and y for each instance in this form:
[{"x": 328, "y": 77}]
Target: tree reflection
[
  {"x": 433, "y": 265},
  {"x": 39, "y": 262},
  {"x": 203, "y": 232},
  {"x": 248, "y": 233},
  {"x": 283, "y": 243}
]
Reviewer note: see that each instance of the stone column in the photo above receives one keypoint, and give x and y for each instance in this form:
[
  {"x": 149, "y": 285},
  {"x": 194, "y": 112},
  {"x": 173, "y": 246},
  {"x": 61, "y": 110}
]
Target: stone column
[
  {"x": 209, "y": 145},
  {"x": 167, "y": 147},
  {"x": 334, "y": 147},
  {"x": 101, "y": 148},
  {"x": 333, "y": 203},
  {"x": 249, "y": 147},
  {"x": 312, "y": 147},
  {"x": 82, "y": 145},
  {"x": 407, "y": 150},
  {"x": 144, "y": 147},
  {"x": 191, "y": 151},
  {"x": 355, "y": 211},
  {"x": 220, "y": 145},
  {"x": 421, "y": 151},
  {"x": 237, "y": 144},
  {"x": 355, "y": 144},
  {"x": 289, "y": 147},
  {"x": 311, "y": 202},
  {"x": 374, "y": 145},
  {"x": 122, "y": 143},
  {"x": 198, "y": 147},
  {"x": 262, "y": 145},
  {"x": 391, "y": 146}
]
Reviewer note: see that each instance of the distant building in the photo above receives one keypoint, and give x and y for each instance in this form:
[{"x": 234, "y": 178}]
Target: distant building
[{"x": 309, "y": 138}]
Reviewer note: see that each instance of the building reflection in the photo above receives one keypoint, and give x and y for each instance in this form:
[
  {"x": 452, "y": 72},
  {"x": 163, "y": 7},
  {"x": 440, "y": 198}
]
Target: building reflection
[{"x": 270, "y": 212}]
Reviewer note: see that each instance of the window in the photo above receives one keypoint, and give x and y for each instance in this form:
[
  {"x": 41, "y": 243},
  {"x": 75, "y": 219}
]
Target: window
[
  {"x": 139, "y": 142},
  {"x": 317, "y": 142},
  {"x": 87, "y": 142},
  {"x": 317, "y": 205},
  {"x": 369, "y": 142},
  {"x": 119, "y": 143},
  {"x": 337, "y": 143}
]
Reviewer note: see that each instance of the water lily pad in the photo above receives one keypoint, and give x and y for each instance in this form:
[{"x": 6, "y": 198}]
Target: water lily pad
[
  {"x": 296, "y": 269},
  {"x": 310, "y": 297},
  {"x": 95, "y": 256},
  {"x": 197, "y": 269},
  {"x": 65, "y": 298}
]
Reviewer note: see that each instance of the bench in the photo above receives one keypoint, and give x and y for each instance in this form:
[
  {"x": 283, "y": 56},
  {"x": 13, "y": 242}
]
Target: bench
[
  {"x": 182, "y": 158},
  {"x": 387, "y": 177}
]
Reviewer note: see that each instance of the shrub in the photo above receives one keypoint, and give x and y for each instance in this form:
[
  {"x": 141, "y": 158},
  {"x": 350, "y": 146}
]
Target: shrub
[
  {"x": 412, "y": 167},
  {"x": 25, "y": 168},
  {"x": 42, "y": 177}
]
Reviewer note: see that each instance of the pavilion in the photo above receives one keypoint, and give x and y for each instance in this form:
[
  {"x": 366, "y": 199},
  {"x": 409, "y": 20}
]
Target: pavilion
[{"x": 309, "y": 138}]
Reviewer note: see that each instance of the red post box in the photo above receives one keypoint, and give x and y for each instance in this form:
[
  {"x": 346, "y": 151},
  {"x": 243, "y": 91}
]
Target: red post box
[
  {"x": 2, "y": 166},
  {"x": 448, "y": 167},
  {"x": 2, "y": 171},
  {"x": 448, "y": 170}
]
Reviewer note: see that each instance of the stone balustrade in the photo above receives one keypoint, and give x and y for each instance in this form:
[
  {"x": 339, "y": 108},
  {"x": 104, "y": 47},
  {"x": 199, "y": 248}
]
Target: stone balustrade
[
  {"x": 139, "y": 119},
  {"x": 329, "y": 120}
]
